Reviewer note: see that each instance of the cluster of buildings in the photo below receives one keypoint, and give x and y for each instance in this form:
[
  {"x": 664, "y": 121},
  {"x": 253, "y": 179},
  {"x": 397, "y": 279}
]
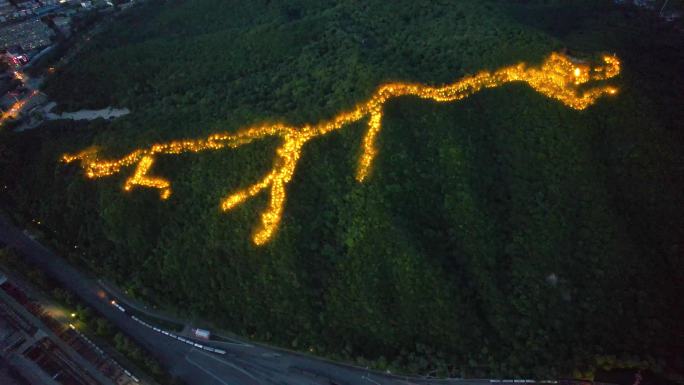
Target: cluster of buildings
[
  {"x": 18, "y": 9},
  {"x": 25, "y": 36},
  {"x": 27, "y": 26},
  {"x": 31, "y": 29},
  {"x": 41, "y": 350}
]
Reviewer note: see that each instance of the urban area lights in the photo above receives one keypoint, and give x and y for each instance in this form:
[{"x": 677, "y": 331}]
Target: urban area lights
[
  {"x": 557, "y": 78},
  {"x": 15, "y": 109}
]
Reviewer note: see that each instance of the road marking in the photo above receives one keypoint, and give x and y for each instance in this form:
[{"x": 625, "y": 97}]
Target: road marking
[
  {"x": 205, "y": 370},
  {"x": 248, "y": 374},
  {"x": 370, "y": 379}
]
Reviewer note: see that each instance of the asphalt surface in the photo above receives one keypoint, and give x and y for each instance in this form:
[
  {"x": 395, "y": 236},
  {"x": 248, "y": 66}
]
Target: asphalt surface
[{"x": 242, "y": 364}]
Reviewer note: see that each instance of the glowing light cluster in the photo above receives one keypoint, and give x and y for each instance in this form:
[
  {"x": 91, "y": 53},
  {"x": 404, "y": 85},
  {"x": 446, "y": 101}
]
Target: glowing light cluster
[
  {"x": 14, "y": 111},
  {"x": 558, "y": 78}
]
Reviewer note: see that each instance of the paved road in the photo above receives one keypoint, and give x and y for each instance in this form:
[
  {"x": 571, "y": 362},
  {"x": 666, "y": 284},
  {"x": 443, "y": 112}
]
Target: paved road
[{"x": 240, "y": 365}]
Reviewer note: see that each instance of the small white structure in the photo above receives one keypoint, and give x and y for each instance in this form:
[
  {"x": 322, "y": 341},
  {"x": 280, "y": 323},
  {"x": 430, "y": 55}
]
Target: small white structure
[{"x": 201, "y": 333}]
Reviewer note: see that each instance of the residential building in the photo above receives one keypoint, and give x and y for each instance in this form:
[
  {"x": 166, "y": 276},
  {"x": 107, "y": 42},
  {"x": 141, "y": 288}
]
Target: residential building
[{"x": 29, "y": 35}]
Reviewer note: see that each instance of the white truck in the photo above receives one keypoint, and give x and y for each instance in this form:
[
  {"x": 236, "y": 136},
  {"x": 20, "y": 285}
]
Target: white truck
[{"x": 201, "y": 333}]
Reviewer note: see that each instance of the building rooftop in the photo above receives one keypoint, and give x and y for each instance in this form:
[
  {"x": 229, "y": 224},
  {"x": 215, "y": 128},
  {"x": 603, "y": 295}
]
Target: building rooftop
[{"x": 29, "y": 35}]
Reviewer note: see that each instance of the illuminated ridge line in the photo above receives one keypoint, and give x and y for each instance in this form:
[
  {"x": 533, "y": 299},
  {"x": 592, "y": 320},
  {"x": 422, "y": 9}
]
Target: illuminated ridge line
[{"x": 558, "y": 78}]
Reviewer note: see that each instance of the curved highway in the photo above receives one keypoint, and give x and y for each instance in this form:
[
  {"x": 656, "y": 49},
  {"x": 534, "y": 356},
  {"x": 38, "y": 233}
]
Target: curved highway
[{"x": 241, "y": 364}]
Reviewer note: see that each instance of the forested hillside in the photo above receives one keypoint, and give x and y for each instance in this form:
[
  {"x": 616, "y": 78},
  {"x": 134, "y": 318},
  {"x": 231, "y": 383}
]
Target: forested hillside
[{"x": 502, "y": 235}]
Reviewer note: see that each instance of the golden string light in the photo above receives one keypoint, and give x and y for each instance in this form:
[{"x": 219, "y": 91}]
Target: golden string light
[
  {"x": 140, "y": 178},
  {"x": 558, "y": 78}
]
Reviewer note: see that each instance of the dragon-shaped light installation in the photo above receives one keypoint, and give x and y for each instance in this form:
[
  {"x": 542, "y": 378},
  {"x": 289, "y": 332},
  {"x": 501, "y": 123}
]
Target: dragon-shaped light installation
[{"x": 559, "y": 77}]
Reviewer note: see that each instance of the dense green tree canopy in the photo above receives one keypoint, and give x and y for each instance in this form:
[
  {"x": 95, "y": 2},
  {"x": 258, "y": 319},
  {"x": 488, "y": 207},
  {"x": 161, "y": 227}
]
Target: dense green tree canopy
[{"x": 502, "y": 235}]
